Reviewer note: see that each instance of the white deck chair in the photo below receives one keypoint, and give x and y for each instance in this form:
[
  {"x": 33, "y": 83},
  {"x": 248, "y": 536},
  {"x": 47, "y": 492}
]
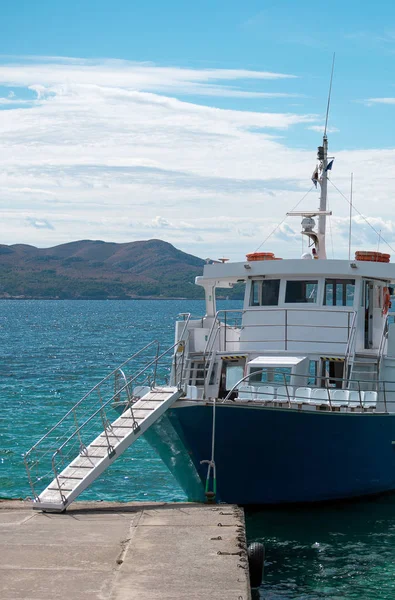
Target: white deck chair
[
  {"x": 264, "y": 392},
  {"x": 370, "y": 399},
  {"x": 303, "y": 394},
  {"x": 339, "y": 397},
  {"x": 282, "y": 395},
  {"x": 354, "y": 399},
  {"x": 246, "y": 392},
  {"x": 319, "y": 396}
]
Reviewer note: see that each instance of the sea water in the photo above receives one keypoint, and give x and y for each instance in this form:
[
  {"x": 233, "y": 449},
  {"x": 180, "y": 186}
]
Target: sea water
[{"x": 53, "y": 352}]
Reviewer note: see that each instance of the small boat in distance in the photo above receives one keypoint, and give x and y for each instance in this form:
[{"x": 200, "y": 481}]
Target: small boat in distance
[{"x": 288, "y": 399}]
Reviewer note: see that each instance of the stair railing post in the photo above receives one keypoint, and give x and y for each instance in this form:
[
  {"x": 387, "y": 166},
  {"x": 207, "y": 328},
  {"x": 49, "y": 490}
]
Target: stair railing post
[
  {"x": 385, "y": 397},
  {"x": 156, "y": 363},
  {"x": 82, "y": 445},
  {"x": 55, "y": 471},
  {"x": 106, "y": 424},
  {"x": 29, "y": 477},
  {"x": 225, "y": 331},
  {"x": 328, "y": 392},
  {"x": 286, "y": 388},
  {"x": 359, "y": 393},
  {"x": 179, "y": 384}
]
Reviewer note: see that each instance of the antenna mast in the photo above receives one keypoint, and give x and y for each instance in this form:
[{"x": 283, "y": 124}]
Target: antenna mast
[
  {"x": 349, "y": 232},
  {"x": 323, "y": 158},
  {"x": 329, "y": 95},
  {"x": 320, "y": 175}
]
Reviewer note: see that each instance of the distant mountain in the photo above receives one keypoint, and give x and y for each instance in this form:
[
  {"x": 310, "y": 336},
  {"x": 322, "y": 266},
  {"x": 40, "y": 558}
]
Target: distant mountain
[{"x": 90, "y": 269}]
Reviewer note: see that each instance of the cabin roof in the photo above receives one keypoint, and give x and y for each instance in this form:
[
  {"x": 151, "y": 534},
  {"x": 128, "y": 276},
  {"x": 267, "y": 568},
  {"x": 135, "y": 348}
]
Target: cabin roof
[{"x": 223, "y": 273}]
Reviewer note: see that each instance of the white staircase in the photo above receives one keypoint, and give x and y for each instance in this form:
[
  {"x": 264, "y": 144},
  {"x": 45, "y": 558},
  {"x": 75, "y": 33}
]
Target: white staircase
[
  {"x": 364, "y": 369},
  {"x": 105, "y": 449}
]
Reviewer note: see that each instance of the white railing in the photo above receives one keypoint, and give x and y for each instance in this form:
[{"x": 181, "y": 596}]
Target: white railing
[
  {"x": 286, "y": 326},
  {"x": 384, "y": 338},
  {"x": 331, "y": 391},
  {"x": 89, "y": 416},
  {"x": 350, "y": 349}
]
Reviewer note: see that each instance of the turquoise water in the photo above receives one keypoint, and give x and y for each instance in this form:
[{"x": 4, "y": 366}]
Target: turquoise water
[
  {"x": 334, "y": 552},
  {"x": 52, "y": 352}
]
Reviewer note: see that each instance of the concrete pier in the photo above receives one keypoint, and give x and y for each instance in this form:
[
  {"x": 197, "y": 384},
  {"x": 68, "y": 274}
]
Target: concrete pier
[{"x": 116, "y": 551}]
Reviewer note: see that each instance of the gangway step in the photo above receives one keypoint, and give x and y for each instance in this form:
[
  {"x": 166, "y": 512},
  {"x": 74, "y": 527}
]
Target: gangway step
[{"x": 85, "y": 468}]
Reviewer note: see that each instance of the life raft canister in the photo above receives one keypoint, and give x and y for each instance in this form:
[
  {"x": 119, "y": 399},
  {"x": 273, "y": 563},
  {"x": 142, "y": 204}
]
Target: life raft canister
[
  {"x": 261, "y": 256},
  {"x": 371, "y": 256}
]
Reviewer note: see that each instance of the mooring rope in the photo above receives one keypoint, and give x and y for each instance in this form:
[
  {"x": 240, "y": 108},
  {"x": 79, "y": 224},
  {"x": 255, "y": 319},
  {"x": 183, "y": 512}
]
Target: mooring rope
[{"x": 211, "y": 469}]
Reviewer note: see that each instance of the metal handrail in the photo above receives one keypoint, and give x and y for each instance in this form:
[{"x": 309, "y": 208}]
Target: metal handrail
[
  {"x": 59, "y": 450},
  {"x": 308, "y": 376},
  {"x": 100, "y": 383},
  {"x": 217, "y": 322},
  {"x": 384, "y": 336},
  {"x": 209, "y": 353},
  {"x": 351, "y": 336},
  {"x": 350, "y": 344},
  {"x": 76, "y": 429},
  {"x": 95, "y": 387}
]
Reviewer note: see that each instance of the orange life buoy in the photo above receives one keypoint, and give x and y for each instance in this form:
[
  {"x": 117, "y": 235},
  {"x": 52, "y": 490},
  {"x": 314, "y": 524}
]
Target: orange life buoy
[{"x": 386, "y": 300}]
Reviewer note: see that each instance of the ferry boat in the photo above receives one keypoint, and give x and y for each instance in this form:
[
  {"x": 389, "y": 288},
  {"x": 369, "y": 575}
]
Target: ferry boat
[{"x": 289, "y": 399}]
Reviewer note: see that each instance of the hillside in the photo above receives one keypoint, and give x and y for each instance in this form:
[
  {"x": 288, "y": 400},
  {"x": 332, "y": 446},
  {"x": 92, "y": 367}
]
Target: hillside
[{"x": 89, "y": 269}]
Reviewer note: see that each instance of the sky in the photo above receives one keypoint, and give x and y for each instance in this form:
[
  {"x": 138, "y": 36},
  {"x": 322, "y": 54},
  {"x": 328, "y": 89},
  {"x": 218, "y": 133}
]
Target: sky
[{"x": 195, "y": 123}]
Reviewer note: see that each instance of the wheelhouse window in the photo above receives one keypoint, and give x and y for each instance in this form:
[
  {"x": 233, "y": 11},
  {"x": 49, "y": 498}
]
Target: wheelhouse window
[
  {"x": 339, "y": 292},
  {"x": 301, "y": 291},
  {"x": 270, "y": 290},
  {"x": 256, "y": 293},
  {"x": 265, "y": 293}
]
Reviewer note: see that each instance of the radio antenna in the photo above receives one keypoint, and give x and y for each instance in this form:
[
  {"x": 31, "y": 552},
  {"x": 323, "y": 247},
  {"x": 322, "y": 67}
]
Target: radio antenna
[
  {"x": 349, "y": 231},
  {"x": 329, "y": 95}
]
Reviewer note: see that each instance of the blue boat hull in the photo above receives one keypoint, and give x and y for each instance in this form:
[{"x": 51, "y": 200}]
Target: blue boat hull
[{"x": 272, "y": 456}]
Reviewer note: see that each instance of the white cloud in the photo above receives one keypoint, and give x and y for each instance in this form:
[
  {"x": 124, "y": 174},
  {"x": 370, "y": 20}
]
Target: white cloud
[
  {"x": 11, "y": 100},
  {"x": 39, "y": 223},
  {"x": 372, "y": 101},
  {"x": 105, "y": 150},
  {"x": 136, "y": 76},
  {"x": 321, "y": 129},
  {"x": 161, "y": 222}
]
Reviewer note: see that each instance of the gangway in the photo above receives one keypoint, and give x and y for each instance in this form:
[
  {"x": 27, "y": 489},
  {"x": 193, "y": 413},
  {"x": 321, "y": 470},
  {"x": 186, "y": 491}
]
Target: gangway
[
  {"x": 87, "y": 439},
  {"x": 105, "y": 449}
]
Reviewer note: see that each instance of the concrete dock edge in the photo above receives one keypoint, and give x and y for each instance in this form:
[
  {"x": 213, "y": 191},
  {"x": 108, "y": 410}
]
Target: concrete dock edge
[{"x": 123, "y": 551}]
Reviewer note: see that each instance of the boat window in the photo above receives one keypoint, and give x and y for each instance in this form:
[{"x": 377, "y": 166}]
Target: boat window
[
  {"x": 255, "y": 293},
  {"x": 280, "y": 375},
  {"x": 339, "y": 292},
  {"x": 313, "y": 371},
  {"x": 233, "y": 374},
  {"x": 301, "y": 291},
  {"x": 270, "y": 289},
  {"x": 265, "y": 293}
]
